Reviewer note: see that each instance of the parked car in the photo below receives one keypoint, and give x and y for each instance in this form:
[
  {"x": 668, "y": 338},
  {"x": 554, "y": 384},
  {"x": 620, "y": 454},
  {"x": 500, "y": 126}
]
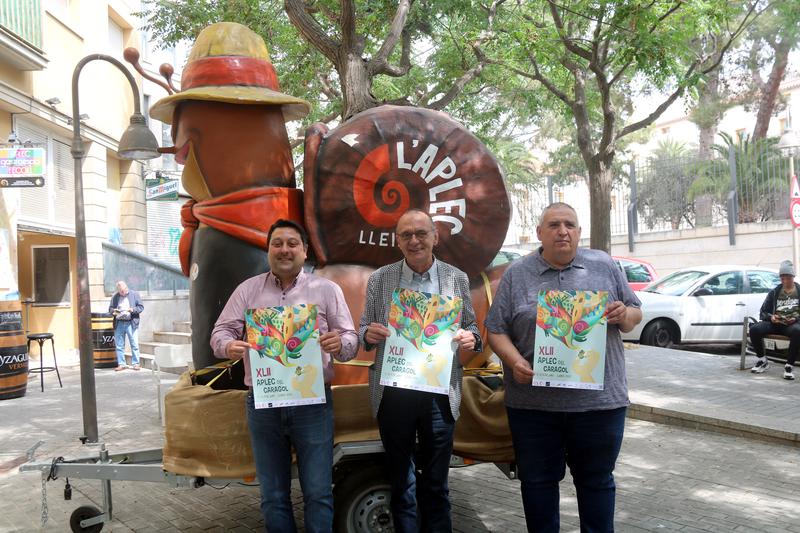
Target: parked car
[
  {"x": 640, "y": 273},
  {"x": 702, "y": 304},
  {"x": 508, "y": 254}
]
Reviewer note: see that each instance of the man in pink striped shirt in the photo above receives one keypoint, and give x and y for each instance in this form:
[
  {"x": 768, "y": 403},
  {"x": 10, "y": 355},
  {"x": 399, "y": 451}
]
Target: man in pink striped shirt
[{"x": 309, "y": 428}]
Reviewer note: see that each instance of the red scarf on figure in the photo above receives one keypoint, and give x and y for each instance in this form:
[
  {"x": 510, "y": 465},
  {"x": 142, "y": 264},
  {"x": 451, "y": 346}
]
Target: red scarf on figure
[{"x": 246, "y": 215}]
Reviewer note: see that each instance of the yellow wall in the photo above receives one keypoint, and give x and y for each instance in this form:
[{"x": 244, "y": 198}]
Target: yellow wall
[{"x": 61, "y": 321}]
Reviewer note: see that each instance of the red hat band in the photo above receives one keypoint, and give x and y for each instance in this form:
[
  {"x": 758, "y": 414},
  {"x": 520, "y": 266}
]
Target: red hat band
[{"x": 229, "y": 70}]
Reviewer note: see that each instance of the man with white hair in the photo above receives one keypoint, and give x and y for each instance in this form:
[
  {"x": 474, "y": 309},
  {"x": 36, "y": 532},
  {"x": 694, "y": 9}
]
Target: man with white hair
[{"x": 126, "y": 305}]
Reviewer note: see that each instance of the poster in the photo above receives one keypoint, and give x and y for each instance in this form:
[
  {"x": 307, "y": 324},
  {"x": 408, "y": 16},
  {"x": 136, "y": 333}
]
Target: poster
[
  {"x": 570, "y": 349},
  {"x": 419, "y": 350},
  {"x": 285, "y": 356}
]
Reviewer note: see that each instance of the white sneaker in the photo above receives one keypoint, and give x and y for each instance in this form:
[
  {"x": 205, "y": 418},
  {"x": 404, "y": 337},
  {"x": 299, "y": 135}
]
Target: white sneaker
[
  {"x": 761, "y": 365},
  {"x": 788, "y": 372}
]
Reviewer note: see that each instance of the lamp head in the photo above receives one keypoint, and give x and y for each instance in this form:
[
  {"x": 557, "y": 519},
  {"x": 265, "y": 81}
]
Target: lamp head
[{"x": 138, "y": 142}]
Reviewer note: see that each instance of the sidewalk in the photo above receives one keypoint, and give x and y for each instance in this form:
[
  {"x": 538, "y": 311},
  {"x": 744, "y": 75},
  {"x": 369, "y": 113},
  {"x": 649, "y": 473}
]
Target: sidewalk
[
  {"x": 683, "y": 388},
  {"x": 704, "y": 391}
]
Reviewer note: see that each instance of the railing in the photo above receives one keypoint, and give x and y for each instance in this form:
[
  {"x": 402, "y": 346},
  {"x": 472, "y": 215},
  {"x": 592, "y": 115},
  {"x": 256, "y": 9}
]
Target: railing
[
  {"x": 139, "y": 272},
  {"x": 23, "y": 18}
]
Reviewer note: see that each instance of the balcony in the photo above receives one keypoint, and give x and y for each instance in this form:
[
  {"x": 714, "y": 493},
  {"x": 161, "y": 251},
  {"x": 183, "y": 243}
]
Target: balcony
[{"x": 21, "y": 34}]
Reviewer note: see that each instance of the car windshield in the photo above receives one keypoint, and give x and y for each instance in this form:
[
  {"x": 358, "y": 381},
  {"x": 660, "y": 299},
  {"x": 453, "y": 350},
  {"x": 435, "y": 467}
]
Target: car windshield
[{"x": 676, "y": 283}]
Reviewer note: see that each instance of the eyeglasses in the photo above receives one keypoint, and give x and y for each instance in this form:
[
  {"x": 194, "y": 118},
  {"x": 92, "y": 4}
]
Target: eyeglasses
[{"x": 421, "y": 235}]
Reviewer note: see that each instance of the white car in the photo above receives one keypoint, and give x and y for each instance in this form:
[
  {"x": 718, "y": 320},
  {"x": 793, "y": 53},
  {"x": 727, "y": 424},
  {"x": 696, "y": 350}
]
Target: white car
[{"x": 701, "y": 305}]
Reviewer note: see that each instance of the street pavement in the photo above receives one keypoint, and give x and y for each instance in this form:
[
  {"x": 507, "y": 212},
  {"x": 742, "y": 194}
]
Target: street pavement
[{"x": 707, "y": 448}]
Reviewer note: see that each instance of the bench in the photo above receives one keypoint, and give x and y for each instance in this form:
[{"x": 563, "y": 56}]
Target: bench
[{"x": 777, "y": 345}]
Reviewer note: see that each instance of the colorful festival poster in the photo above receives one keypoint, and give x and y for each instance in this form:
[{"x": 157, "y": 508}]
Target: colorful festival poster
[
  {"x": 570, "y": 350},
  {"x": 285, "y": 356},
  {"x": 419, "y": 351}
]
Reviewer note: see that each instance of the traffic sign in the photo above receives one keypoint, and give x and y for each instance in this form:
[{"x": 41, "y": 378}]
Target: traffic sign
[
  {"x": 794, "y": 204},
  {"x": 795, "y": 188}
]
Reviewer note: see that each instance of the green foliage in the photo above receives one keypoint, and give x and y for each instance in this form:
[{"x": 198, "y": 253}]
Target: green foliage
[
  {"x": 760, "y": 177},
  {"x": 664, "y": 183}
]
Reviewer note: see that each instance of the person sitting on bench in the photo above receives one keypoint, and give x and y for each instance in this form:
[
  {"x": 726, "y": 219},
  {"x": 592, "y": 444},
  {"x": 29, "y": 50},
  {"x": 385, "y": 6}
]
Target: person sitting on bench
[{"x": 779, "y": 316}]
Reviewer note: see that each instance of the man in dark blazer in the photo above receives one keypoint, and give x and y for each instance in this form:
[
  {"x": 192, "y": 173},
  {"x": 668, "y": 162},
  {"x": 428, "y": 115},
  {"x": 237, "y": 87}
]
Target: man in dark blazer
[
  {"x": 403, "y": 414},
  {"x": 126, "y": 305}
]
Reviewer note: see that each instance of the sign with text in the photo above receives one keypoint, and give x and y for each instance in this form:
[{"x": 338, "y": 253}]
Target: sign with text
[
  {"x": 285, "y": 356},
  {"x": 22, "y": 166},
  {"x": 419, "y": 351},
  {"x": 570, "y": 347},
  {"x": 161, "y": 189}
]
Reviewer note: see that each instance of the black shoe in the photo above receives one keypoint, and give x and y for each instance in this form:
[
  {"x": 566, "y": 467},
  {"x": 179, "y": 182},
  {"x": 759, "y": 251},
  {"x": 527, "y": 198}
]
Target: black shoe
[
  {"x": 761, "y": 365},
  {"x": 788, "y": 372}
]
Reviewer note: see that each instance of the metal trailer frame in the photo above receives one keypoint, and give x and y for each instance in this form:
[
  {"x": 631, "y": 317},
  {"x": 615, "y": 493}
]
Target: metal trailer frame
[{"x": 142, "y": 465}]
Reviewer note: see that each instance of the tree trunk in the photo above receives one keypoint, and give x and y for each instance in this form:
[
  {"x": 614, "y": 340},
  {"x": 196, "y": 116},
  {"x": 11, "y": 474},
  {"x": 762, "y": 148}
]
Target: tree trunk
[
  {"x": 356, "y": 85},
  {"x": 709, "y": 99},
  {"x": 770, "y": 92},
  {"x": 600, "y": 182}
]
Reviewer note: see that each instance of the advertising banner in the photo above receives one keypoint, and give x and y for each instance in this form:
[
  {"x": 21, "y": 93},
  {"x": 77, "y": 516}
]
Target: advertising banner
[
  {"x": 570, "y": 348},
  {"x": 285, "y": 356},
  {"x": 22, "y": 166},
  {"x": 419, "y": 351}
]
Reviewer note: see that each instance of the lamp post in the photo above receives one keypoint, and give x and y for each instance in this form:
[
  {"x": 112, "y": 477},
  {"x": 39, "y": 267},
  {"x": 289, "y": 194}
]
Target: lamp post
[
  {"x": 137, "y": 142},
  {"x": 788, "y": 143}
]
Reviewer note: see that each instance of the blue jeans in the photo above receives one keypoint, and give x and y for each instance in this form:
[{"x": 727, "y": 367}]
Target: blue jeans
[
  {"x": 126, "y": 328},
  {"x": 404, "y": 416},
  {"x": 589, "y": 442},
  {"x": 273, "y": 432}
]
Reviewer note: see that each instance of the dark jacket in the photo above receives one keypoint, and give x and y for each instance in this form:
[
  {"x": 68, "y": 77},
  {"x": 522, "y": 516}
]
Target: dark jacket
[
  {"x": 136, "y": 305},
  {"x": 768, "y": 307}
]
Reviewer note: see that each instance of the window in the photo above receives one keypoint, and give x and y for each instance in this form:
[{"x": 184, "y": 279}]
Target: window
[
  {"x": 53, "y": 205},
  {"x": 762, "y": 281},
  {"x": 635, "y": 272},
  {"x": 51, "y": 284},
  {"x": 116, "y": 38},
  {"x": 725, "y": 283}
]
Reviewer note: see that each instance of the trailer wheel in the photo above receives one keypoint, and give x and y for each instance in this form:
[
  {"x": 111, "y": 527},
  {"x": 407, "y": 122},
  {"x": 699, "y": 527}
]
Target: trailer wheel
[
  {"x": 82, "y": 513},
  {"x": 361, "y": 502}
]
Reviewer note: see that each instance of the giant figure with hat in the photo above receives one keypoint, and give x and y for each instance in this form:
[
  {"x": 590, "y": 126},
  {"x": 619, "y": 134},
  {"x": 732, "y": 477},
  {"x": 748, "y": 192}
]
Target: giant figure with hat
[{"x": 228, "y": 128}]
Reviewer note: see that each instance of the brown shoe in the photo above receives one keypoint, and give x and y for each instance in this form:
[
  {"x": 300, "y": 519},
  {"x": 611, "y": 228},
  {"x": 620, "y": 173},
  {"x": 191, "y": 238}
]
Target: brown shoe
[
  {"x": 137, "y": 367},
  {"x": 120, "y": 368}
]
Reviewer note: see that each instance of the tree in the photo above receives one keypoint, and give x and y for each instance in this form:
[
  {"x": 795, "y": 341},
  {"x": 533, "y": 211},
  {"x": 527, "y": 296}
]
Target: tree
[
  {"x": 665, "y": 181},
  {"x": 760, "y": 182},
  {"x": 590, "y": 55},
  {"x": 776, "y": 33},
  {"x": 356, "y": 55}
]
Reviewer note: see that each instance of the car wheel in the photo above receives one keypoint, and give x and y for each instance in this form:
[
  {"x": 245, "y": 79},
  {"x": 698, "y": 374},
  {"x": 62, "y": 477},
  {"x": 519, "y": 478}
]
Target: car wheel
[{"x": 659, "y": 333}]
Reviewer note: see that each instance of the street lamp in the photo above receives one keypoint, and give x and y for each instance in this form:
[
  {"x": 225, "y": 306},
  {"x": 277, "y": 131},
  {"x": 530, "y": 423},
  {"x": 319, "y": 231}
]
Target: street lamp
[
  {"x": 138, "y": 142},
  {"x": 788, "y": 143}
]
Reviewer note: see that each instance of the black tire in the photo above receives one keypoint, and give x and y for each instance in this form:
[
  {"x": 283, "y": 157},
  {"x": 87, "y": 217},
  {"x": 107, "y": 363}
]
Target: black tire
[
  {"x": 659, "y": 333},
  {"x": 82, "y": 513},
  {"x": 361, "y": 502}
]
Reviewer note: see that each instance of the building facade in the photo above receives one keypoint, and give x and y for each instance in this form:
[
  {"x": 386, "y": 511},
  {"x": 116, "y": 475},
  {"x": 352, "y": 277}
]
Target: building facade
[{"x": 41, "y": 41}]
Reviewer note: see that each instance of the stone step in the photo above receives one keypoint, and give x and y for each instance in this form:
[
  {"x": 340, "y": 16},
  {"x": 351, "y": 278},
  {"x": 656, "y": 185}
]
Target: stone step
[
  {"x": 149, "y": 347},
  {"x": 182, "y": 326},
  {"x": 172, "y": 337}
]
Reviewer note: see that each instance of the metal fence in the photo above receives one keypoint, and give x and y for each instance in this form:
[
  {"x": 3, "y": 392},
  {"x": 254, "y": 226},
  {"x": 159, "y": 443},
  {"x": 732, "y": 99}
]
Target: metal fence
[{"x": 747, "y": 184}]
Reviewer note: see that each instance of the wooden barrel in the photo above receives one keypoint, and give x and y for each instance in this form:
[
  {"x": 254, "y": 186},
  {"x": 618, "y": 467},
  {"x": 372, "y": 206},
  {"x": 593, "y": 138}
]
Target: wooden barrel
[
  {"x": 105, "y": 355},
  {"x": 13, "y": 351}
]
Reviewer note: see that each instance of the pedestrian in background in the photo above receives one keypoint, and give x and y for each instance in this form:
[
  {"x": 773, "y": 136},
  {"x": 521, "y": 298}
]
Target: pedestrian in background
[
  {"x": 779, "y": 315},
  {"x": 555, "y": 427},
  {"x": 126, "y": 306}
]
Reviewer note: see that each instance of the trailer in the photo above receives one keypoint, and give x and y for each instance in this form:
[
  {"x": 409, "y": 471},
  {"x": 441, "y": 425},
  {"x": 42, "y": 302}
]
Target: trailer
[{"x": 361, "y": 491}]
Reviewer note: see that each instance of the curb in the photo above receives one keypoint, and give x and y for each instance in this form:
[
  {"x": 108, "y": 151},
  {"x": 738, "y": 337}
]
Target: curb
[{"x": 716, "y": 425}]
